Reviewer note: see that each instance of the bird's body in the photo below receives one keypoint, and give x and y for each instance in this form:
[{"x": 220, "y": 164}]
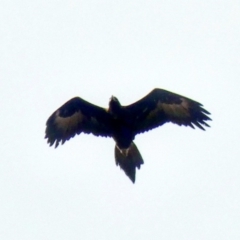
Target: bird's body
[{"x": 123, "y": 123}]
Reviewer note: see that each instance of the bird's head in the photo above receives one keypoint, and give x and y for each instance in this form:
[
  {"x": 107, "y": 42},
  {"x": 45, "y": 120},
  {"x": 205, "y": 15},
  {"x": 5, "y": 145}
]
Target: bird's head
[{"x": 114, "y": 105}]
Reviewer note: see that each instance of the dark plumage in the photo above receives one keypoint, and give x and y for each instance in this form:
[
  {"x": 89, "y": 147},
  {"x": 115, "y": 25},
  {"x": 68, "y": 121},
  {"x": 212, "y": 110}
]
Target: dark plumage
[{"x": 123, "y": 123}]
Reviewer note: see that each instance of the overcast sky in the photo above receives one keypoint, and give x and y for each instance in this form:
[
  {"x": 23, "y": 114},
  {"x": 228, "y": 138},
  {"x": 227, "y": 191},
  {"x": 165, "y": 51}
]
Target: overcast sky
[{"x": 51, "y": 51}]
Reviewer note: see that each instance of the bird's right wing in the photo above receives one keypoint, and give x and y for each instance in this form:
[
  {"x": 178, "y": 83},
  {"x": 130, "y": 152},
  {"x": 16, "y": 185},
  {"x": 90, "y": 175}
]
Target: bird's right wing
[
  {"x": 74, "y": 117},
  {"x": 161, "y": 106}
]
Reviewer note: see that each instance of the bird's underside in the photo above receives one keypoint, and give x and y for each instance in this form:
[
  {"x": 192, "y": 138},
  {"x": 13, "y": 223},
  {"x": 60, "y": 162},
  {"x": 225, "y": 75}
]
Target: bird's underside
[{"x": 123, "y": 123}]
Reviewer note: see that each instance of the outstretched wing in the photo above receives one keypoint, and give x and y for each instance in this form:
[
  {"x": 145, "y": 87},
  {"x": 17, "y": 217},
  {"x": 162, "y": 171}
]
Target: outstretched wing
[
  {"x": 161, "y": 106},
  {"x": 74, "y": 117}
]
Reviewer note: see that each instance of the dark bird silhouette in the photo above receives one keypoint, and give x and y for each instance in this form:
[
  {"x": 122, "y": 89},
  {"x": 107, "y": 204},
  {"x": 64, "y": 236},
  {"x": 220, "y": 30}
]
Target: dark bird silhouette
[{"x": 123, "y": 123}]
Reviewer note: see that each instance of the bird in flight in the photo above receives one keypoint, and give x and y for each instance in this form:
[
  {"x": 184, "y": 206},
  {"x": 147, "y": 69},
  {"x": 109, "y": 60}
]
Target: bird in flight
[{"x": 123, "y": 123}]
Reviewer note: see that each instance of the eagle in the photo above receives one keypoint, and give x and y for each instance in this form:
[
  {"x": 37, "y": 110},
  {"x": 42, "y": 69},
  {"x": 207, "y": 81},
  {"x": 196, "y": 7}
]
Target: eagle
[{"x": 123, "y": 123}]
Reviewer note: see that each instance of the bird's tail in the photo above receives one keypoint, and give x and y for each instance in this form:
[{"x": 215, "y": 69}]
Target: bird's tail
[{"x": 128, "y": 159}]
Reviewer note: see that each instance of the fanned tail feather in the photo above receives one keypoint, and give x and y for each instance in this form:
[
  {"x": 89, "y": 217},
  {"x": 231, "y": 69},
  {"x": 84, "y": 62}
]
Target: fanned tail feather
[{"x": 128, "y": 159}]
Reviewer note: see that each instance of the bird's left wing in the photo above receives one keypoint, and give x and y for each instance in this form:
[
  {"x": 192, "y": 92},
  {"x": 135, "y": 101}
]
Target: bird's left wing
[
  {"x": 161, "y": 106},
  {"x": 74, "y": 117}
]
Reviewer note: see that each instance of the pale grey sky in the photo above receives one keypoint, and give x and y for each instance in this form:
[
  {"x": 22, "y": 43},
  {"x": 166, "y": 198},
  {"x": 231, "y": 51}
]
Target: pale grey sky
[{"x": 51, "y": 51}]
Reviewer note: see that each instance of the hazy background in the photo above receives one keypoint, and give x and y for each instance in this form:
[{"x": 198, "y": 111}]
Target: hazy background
[{"x": 51, "y": 51}]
